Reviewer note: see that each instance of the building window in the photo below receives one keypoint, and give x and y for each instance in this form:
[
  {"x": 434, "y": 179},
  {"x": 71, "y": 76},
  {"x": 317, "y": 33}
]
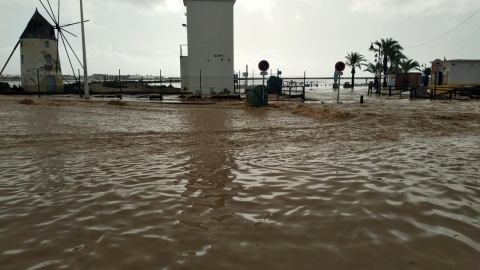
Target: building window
[
  {"x": 48, "y": 58},
  {"x": 47, "y": 44},
  {"x": 21, "y": 44},
  {"x": 22, "y": 58}
]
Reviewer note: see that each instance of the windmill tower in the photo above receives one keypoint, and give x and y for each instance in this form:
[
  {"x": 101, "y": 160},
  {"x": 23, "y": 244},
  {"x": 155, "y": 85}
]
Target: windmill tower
[
  {"x": 210, "y": 61},
  {"x": 40, "y": 63}
]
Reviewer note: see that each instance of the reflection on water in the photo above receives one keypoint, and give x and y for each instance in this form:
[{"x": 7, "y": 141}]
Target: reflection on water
[
  {"x": 208, "y": 178},
  {"x": 92, "y": 186}
]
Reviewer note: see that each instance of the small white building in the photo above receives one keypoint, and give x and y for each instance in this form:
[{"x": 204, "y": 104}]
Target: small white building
[
  {"x": 459, "y": 72},
  {"x": 39, "y": 57},
  {"x": 209, "y": 66}
]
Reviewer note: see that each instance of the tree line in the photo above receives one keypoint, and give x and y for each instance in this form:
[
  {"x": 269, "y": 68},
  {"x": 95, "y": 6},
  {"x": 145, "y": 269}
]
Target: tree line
[{"x": 394, "y": 61}]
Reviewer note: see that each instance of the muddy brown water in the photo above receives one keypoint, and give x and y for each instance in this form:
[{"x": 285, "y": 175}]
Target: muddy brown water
[{"x": 391, "y": 184}]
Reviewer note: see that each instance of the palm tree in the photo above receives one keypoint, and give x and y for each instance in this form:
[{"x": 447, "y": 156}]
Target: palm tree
[
  {"x": 395, "y": 56},
  {"x": 427, "y": 71},
  {"x": 387, "y": 46},
  {"x": 409, "y": 64},
  {"x": 374, "y": 69},
  {"x": 354, "y": 60}
]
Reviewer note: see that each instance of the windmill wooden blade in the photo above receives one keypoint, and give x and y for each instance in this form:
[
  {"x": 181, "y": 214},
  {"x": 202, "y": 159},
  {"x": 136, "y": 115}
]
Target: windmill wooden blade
[
  {"x": 61, "y": 29},
  {"x": 68, "y": 43},
  {"x": 58, "y": 35},
  {"x": 68, "y": 56},
  {"x": 72, "y": 24},
  {"x": 48, "y": 12},
  {"x": 14, "y": 49},
  {"x": 61, "y": 35},
  {"x": 53, "y": 13}
]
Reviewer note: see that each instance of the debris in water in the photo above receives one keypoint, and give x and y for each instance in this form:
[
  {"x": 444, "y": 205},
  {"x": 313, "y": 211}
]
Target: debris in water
[
  {"x": 117, "y": 103},
  {"x": 27, "y": 101}
]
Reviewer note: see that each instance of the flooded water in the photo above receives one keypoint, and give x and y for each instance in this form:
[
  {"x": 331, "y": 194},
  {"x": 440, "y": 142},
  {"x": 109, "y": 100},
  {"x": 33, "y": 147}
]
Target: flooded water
[{"x": 391, "y": 184}]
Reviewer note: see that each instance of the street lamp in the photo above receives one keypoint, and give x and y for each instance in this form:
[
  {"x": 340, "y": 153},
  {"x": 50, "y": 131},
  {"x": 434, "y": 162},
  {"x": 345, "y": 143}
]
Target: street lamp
[{"x": 372, "y": 49}]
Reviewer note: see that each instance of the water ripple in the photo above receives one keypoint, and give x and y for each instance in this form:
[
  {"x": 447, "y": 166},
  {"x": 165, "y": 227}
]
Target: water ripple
[{"x": 194, "y": 188}]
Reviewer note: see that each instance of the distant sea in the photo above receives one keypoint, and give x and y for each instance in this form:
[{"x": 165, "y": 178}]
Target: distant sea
[{"x": 12, "y": 83}]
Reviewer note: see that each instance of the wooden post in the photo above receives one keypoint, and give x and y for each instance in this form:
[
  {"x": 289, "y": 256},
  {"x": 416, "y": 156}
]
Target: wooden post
[
  {"x": 120, "y": 81},
  {"x": 38, "y": 80},
  {"x": 8, "y": 60},
  {"x": 246, "y": 78}
]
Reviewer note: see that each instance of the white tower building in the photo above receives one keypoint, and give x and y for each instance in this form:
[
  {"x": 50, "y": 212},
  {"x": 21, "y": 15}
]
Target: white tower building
[
  {"x": 39, "y": 57},
  {"x": 209, "y": 65}
]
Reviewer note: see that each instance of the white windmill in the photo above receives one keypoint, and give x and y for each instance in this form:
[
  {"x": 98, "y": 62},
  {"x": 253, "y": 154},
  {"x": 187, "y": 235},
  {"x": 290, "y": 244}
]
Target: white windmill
[{"x": 39, "y": 48}]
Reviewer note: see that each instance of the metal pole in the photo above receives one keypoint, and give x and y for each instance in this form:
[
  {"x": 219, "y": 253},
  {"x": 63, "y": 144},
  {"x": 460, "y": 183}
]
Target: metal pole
[
  {"x": 200, "y": 82},
  {"x": 160, "y": 79},
  {"x": 79, "y": 83},
  {"x": 120, "y": 81},
  {"x": 304, "y": 82},
  {"x": 38, "y": 80},
  {"x": 339, "y": 84},
  {"x": 263, "y": 90},
  {"x": 85, "y": 72},
  {"x": 380, "y": 82}
]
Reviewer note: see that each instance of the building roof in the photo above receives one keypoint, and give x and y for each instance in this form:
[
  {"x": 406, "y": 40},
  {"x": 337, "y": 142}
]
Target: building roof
[
  {"x": 39, "y": 27},
  {"x": 462, "y": 60},
  {"x": 185, "y": 1}
]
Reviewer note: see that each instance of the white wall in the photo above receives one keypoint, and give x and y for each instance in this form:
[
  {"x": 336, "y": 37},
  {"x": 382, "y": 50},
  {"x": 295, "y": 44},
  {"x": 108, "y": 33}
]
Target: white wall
[
  {"x": 461, "y": 72},
  {"x": 33, "y": 52},
  {"x": 210, "y": 45}
]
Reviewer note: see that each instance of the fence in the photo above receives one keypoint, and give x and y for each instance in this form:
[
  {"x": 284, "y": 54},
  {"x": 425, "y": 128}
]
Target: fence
[{"x": 209, "y": 85}]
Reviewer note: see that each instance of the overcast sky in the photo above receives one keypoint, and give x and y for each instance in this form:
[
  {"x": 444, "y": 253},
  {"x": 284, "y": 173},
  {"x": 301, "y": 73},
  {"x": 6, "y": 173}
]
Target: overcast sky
[{"x": 144, "y": 36}]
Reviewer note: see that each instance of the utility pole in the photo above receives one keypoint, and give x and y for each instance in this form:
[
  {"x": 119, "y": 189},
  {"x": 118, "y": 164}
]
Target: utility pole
[{"x": 85, "y": 72}]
